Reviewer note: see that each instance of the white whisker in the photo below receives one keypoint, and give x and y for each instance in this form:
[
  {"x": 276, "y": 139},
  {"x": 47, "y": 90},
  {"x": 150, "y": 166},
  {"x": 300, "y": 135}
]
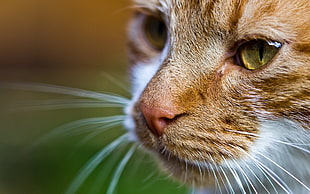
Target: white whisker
[
  {"x": 216, "y": 179},
  {"x": 243, "y": 132},
  {"x": 286, "y": 171},
  {"x": 115, "y": 82},
  {"x": 227, "y": 180},
  {"x": 85, "y": 122},
  {"x": 102, "y": 173},
  {"x": 257, "y": 178},
  {"x": 200, "y": 170},
  {"x": 247, "y": 179},
  {"x": 70, "y": 128},
  {"x": 64, "y": 104},
  {"x": 269, "y": 172},
  {"x": 96, "y": 128},
  {"x": 93, "y": 163},
  {"x": 98, "y": 131},
  {"x": 186, "y": 170},
  {"x": 266, "y": 175},
  {"x": 254, "y": 174},
  {"x": 120, "y": 170},
  {"x": 220, "y": 174},
  {"x": 274, "y": 177},
  {"x": 291, "y": 144},
  {"x": 235, "y": 174},
  {"x": 47, "y": 88}
]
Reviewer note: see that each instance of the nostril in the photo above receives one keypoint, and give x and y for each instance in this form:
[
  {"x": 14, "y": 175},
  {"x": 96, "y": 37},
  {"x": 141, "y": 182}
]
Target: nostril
[{"x": 157, "y": 118}]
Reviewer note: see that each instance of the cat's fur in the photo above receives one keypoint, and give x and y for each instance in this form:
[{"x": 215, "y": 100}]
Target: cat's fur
[{"x": 233, "y": 129}]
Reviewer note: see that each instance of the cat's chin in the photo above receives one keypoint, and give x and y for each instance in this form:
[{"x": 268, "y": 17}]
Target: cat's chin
[{"x": 192, "y": 173}]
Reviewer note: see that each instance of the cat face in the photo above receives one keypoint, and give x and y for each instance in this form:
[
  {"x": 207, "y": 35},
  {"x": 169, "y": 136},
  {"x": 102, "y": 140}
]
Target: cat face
[{"x": 216, "y": 84}]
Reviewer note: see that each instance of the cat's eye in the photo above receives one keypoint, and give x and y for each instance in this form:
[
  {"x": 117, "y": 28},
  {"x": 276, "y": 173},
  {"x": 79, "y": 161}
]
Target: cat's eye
[
  {"x": 257, "y": 53},
  {"x": 155, "y": 32}
]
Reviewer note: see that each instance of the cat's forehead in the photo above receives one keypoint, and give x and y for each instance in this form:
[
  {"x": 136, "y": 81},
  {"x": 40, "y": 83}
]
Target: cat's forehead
[
  {"x": 254, "y": 6},
  {"x": 205, "y": 4},
  {"x": 281, "y": 19},
  {"x": 186, "y": 5}
]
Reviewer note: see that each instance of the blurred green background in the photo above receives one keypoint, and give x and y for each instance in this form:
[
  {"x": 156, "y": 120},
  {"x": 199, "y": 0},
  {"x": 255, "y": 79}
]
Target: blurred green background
[{"x": 78, "y": 44}]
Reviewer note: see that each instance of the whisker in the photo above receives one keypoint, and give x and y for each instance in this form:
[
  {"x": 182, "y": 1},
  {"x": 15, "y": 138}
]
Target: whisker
[
  {"x": 220, "y": 174},
  {"x": 200, "y": 170},
  {"x": 243, "y": 132},
  {"x": 186, "y": 169},
  {"x": 84, "y": 122},
  {"x": 93, "y": 163},
  {"x": 98, "y": 184},
  {"x": 67, "y": 129},
  {"x": 47, "y": 88},
  {"x": 151, "y": 177},
  {"x": 292, "y": 144},
  {"x": 247, "y": 179},
  {"x": 257, "y": 178},
  {"x": 115, "y": 82},
  {"x": 95, "y": 133},
  {"x": 286, "y": 171},
  {"x": 254, "y": 174},
  {"x": 64, "y": 104},
  {"x": 268, "y": 171},
  {"x": 120, "y": 170},
  {"x": 216, "y": 179},
  {"x": 227, "y": 180},
  {"x": 236, "y": 176},
  {"x": 263, "y": 171},
  {"x": 274, "y": 177},
  {"x": 97, "y": 129}
]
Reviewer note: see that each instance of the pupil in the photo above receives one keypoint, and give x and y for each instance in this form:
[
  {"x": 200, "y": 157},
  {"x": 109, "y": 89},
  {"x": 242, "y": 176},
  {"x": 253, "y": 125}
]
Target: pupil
[
  {"x": 261, "y": 51},
  {"x": 160, "y": 28},
  {"x": 157, "y": 29},
  {"x": 156, "y": 32}
]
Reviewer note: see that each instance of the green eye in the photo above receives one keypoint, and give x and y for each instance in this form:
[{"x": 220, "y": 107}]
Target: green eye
[
  {"x": 257, "y": 53},
  {"x": 155, "y": 32}
]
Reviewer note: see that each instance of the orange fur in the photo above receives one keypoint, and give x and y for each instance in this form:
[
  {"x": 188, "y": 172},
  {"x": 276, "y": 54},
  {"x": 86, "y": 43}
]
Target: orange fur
[{"x": 200, "y": 81}]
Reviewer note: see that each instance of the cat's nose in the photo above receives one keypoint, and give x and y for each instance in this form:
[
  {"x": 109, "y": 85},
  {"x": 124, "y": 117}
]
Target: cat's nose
[{"x": 157, "y": 118}]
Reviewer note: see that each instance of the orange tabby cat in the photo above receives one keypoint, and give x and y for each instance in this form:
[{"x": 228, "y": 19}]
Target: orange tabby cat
[{"x": 222, "y": 92}]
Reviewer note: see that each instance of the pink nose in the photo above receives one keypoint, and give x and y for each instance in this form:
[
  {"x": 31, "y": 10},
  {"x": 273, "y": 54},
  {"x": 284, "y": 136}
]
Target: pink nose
[{"x": 157, "y": 118}]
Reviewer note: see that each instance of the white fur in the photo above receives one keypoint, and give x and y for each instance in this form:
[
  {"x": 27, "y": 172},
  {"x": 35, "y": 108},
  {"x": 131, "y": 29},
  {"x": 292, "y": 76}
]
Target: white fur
[{"x": 284, "y": 159}]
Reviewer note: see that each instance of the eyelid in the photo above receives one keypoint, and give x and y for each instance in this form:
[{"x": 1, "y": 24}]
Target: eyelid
[
  {"x": 248, "y": 38},
  {"x": 147, "y": 12}
]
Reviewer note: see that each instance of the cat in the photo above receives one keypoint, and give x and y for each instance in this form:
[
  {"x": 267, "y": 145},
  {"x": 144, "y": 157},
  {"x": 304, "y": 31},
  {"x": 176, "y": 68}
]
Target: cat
[
  {"x": 220, "y": 95},
  {"x": 221, "y": 92}
]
